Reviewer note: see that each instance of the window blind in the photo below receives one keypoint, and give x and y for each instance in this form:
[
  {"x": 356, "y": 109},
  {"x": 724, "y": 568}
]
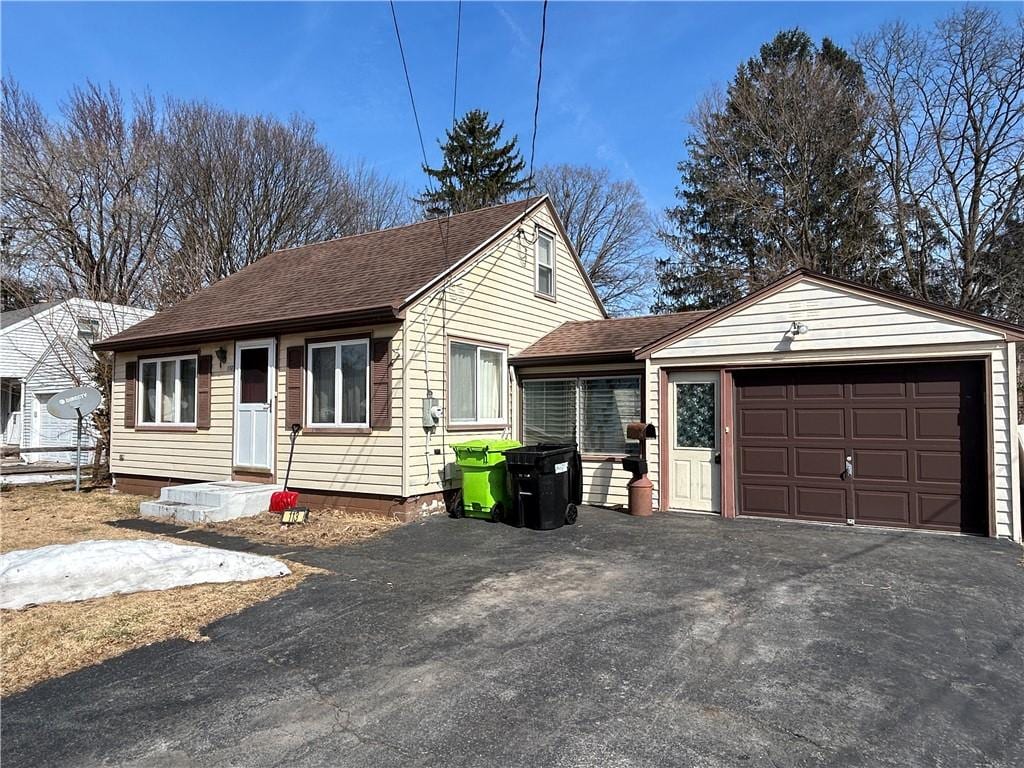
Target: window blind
[
  {"x": 549, "y": 411},
  {"x": 607, "y": 406}
]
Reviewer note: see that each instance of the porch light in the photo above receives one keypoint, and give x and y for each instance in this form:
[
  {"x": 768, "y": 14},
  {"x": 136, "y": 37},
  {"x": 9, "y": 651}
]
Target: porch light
[
  {"x": 222, "y": 355},
  {"x": 797, "y": 328}
]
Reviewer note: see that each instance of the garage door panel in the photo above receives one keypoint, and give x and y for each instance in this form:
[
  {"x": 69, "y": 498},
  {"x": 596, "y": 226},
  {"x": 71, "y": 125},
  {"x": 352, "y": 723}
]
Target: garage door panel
[
  {"x": 819, "y": 462},
  {"x": 938, "y": 424},
  {"x": 825, "y": 391},
  {"x": 770, "y": 500},
  {"x": 879, "y": 424},
  {"x": 937, "y": 388},
  {"x": 915, "y": 432},
  {"x": 866, "y": 390},
  {"x": 938, "y": 467},
  {"x": 819, "y": 423},
  {"x": 821, "y": 503},
  {"x": 756, "y": 460},
  {"x": 939, "y": 511},
  {"x": 764, "y": 391},
  {"x": 882, "y": 507},
  {"x": 875, "y": 464},
  {"x": 764, "y": 423}
]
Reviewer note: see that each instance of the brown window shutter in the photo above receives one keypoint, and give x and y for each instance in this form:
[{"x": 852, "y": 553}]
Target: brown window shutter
[
  {"x": 380, "y": 385},
  {"x": 204, "y": 373},
  {"x": 131, "y": 387},
  {"x": 293, "y": 386}
]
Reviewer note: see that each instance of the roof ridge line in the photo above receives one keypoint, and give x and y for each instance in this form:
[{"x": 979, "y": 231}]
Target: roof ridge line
[{"x": 403, "y": 226}]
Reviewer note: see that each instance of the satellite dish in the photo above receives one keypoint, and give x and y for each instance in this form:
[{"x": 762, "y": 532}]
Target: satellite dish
[{"x": 73, "y": 402}]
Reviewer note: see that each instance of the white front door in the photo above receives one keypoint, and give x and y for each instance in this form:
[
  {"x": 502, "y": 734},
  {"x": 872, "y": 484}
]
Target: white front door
[
  {"x": 695, "y": 474},
  {"x": 254, "y": 404}
]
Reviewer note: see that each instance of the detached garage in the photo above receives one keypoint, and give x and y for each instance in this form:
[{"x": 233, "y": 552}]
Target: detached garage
[
  {"x": 823, "y": 400},
  {"x": 840, "y": 403}
]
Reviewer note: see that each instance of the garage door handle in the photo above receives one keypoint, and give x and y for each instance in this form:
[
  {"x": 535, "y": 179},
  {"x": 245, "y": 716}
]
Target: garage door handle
[{"x": 848, "y": 472}]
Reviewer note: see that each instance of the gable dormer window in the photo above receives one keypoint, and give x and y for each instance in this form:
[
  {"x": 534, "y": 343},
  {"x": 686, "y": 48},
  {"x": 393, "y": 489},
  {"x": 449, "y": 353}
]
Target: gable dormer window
[{"x": 544, "y": 256}]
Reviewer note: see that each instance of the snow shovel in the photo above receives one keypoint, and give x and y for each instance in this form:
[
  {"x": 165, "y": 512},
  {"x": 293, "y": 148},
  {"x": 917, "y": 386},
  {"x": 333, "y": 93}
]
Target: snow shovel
[{"x": 284, "y": 502}]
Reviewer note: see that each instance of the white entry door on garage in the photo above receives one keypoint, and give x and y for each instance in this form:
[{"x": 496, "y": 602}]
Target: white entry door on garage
[{"x": 695, "y": 476}]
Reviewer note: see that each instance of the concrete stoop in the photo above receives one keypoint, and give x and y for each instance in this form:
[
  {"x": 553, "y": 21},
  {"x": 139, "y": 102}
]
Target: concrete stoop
[{"x": 210, "y": 502}]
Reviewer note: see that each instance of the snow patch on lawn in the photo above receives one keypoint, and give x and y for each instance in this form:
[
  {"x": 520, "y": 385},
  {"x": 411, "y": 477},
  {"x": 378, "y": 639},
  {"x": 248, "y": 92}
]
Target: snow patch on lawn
[{"x": 68, "y": 572}]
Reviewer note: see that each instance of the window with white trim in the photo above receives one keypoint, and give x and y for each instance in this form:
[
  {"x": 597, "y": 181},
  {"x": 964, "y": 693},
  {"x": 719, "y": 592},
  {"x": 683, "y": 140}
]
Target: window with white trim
[
  {"x": 592, "y": 412},
  {"x": 544, "y": 256},
  {"x": 88, "y": 328},
  {"x": 478, "y": 376},
  {"x": 168, "y": 389},
  {"x": 338, "y": 384}
]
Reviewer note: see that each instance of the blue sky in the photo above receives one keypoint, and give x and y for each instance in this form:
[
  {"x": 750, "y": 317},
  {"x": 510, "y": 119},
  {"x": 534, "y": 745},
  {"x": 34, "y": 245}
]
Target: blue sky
[{"x": 619, "y": 78}]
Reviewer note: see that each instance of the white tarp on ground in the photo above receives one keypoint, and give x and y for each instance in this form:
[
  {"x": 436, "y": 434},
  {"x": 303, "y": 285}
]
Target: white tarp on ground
[{"x": 69, "y": 572}]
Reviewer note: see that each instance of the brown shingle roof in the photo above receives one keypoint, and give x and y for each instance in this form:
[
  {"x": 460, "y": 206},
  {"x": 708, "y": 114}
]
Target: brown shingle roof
[
  {"x": 359, "y": 278},
  {"x": 613, "y": 339}
]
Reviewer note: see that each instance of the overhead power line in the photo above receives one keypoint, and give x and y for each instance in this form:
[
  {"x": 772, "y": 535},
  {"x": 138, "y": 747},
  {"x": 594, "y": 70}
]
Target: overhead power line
[
  {"x": 455, "y": 88},
  {"x": 408, "y": 83},
  {"x": 540, "y": 75}
]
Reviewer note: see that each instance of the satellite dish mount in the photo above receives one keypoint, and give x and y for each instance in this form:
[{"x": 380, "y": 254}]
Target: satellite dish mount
[{"x": 75, "y": 403}]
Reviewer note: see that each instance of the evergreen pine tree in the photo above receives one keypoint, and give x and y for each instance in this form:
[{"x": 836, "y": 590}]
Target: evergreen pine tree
[{"x": 478, "y": 170}]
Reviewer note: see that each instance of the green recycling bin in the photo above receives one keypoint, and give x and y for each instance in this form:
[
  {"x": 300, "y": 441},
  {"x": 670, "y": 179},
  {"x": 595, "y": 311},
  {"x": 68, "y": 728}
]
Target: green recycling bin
[{"x": 484, "y": 481}]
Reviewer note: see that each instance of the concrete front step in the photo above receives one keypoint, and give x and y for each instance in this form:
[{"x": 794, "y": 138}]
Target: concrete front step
[{"x": 210, "y": 502}]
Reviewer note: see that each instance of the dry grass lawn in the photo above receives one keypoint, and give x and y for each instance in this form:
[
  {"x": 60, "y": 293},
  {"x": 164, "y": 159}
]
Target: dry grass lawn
[{"x": 41, "y": 642}]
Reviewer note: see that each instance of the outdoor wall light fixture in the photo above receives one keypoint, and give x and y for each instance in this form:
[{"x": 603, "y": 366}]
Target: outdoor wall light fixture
[
  {"x": 797, "y": 328},
  {"x": 222, "y": 355}
]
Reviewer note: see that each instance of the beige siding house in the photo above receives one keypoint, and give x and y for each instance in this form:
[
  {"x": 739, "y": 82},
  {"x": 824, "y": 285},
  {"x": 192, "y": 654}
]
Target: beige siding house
[
  {"x": 453, "y": 301},
  {"x": 813, "y": 399}
]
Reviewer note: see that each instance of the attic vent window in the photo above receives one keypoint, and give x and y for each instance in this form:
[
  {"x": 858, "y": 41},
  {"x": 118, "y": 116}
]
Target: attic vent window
[{"x": 88, "y": 328}]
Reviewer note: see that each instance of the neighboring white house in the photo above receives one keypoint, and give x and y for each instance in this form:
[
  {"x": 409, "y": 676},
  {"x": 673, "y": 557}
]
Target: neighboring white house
[{"x": 44, "y": 348}]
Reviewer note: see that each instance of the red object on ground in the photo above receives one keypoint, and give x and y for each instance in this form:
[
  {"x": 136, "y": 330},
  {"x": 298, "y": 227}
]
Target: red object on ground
[{"x": 282, "y": 500}]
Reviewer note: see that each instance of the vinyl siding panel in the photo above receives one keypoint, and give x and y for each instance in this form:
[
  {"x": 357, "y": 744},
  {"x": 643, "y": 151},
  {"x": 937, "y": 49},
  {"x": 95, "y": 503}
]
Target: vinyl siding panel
[
  {"x": 834, "y": 317},
  {"x": 359, "y": 464},
  {"x": 492, "y": 300},
  {"x": 202, "y": 455}
]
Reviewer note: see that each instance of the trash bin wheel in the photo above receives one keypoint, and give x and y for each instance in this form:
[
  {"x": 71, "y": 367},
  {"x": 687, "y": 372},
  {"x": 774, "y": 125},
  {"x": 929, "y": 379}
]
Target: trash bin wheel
[
  {"x": 570, "y": 514},
  {"x": 458, "y": 510},
  {"x": 497, "y": 513}
]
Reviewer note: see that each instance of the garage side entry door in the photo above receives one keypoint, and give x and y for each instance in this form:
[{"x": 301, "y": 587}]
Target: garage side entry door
[{"x": 899, "y": 445}]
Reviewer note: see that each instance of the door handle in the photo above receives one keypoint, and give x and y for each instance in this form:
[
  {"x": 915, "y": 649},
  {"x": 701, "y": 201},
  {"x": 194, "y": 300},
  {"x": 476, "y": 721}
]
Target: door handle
[{"x": 848, "y": 471}]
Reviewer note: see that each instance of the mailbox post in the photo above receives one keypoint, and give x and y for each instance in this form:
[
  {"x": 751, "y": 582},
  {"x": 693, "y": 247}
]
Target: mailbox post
[{"x": 641, "y": 489}]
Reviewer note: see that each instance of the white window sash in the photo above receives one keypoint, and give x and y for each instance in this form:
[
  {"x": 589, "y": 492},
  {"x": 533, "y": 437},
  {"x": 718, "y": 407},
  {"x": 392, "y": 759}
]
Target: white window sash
[
  {"x": 501, "y": 418},
  {"x": 338, "y": 382},
  {"x": 158, "y": 406},
  {"x": 539, "y": 265}
]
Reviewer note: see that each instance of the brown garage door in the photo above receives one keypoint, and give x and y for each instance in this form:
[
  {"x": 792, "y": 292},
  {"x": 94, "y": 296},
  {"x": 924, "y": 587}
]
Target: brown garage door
[{"x": 913, "y": 436}]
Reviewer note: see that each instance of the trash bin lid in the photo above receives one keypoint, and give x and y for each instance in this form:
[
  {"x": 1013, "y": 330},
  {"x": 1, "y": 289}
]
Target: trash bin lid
[{"x": 483, "y": 451}]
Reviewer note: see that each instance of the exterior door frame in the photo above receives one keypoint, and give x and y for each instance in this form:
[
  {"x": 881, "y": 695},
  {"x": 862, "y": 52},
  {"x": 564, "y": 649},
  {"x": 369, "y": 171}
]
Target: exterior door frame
[
  {"x": 668, "y": 431},
  {"x": 271, "y": 346}
]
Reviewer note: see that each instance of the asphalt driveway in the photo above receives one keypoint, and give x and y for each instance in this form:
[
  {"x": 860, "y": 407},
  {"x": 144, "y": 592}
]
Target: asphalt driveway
[{"x": 676, "y": 640}]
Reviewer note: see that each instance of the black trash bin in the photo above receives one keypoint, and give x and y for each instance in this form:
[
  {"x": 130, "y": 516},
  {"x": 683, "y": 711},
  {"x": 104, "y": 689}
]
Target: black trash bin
[{"x": 547, "y": 484}]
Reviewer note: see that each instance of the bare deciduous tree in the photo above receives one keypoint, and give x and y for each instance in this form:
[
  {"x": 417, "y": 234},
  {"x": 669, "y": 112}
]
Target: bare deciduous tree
[
  {"x": 610, "y": 227},
  {"x": 950, "y": 146},
  {"x": 86, "y": 200}
]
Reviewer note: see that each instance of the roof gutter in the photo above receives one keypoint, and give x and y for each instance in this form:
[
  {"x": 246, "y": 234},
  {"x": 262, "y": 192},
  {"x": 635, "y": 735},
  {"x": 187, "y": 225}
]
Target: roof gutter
[
  {"x": 580, "y": 358},
  {"x": 373, "y": 315}
]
